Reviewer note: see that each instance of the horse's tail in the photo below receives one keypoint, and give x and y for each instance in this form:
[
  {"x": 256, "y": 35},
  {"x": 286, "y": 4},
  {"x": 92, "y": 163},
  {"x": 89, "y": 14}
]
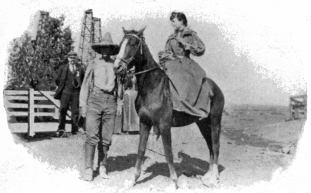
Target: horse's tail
[{"x": 217, "y": 98}]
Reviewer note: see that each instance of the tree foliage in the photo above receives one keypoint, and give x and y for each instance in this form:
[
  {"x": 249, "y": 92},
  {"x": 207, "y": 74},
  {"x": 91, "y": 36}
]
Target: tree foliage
[{"x": 38, "y": 62}]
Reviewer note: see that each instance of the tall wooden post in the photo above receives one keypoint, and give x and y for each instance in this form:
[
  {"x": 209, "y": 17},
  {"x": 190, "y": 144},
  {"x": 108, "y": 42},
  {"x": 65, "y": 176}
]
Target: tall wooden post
[
  {"x": 31, "y": 113},
  {"x": 90, "y": 33}
]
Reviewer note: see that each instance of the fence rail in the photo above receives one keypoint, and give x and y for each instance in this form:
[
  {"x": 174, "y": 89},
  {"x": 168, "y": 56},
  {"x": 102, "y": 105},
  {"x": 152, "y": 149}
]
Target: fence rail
[{"x": 32, "y": 105}]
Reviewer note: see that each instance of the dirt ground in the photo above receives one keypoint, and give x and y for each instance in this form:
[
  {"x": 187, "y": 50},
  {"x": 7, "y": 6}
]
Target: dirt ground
[{"x": 255, "y": 141}]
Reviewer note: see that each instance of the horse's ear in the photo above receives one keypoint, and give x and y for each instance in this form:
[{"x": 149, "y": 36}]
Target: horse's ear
[
  {"x": 140, "y": 32},
  {"x": 125, "y": 32}
]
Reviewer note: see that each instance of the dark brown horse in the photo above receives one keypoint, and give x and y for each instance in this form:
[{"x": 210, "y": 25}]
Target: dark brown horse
[{"x": 154, "y": 106}]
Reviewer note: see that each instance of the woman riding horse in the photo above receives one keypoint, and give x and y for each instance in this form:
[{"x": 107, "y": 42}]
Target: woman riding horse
[
  {"x": 183, "y": 42},
  {"x": 155, "y": 107},
  {"x": 187, "y": 76}
]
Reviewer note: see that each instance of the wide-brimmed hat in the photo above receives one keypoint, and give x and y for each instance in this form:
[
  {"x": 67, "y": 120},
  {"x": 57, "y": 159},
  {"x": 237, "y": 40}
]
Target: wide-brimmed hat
[{"x": 106, "y": 42}]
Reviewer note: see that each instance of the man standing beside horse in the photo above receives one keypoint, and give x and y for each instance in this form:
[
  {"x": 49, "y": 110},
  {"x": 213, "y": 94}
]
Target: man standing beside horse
[{"x": 100, "y": 101}]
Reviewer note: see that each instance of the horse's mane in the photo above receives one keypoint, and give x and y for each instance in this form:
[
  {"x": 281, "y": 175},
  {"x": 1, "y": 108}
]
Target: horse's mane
[{"x": 146, "y": 50}]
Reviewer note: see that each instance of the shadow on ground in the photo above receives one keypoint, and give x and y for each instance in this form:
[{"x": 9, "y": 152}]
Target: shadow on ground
[
  {"x": 37, "y": 137},
  {"x": 120, "y": 163},
  {"x": 189, "y": 166}
]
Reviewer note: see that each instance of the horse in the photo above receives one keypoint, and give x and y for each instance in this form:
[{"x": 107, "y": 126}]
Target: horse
[{"x": 154, "y": 106}]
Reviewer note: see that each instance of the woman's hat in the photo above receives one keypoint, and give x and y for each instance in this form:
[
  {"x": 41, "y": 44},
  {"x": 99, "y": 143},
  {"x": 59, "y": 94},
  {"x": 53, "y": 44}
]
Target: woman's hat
[{"x": 106, "y": 42}]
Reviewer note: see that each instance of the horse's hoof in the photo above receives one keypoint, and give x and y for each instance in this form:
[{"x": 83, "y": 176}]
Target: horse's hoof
[
  {"x": 172, "y": 187},
  {"x": 210, "y": 181},
  {"x": 176, "y": 186},
  {"x": 129, "y": 183},
  {"x": 133, "y": 182}
]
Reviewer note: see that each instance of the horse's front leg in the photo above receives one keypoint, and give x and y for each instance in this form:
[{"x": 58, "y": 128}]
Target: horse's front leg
[
  {"x": 167, "y": 143},
  {"x": 144, "y": 134}
]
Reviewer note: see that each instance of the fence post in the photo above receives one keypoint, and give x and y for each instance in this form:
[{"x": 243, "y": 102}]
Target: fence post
[
  {"x": 56, "y": 113},
  {"x": 31, "y": 117},
  {"x": 305, "y": 105},
  {"x": 290, "y": 110}
]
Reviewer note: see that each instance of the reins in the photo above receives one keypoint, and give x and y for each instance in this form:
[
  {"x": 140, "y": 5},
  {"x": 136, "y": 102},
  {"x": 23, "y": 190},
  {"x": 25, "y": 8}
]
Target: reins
[{"x": 144, "y": 71}]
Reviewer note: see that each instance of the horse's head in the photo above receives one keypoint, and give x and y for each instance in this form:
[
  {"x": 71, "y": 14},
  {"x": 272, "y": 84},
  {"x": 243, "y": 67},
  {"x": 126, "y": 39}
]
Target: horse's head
[{"x": 130, "y": 51}]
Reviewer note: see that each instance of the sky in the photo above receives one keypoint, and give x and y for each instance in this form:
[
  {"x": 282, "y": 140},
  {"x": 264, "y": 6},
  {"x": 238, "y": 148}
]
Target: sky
[{"x": 254, "y": 49}]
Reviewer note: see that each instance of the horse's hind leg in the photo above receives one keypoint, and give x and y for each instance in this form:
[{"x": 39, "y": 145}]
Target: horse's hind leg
[
  {"x": 167, "y": 143},
  {"x": 210, "y": 129},
  {"x": 144, "y": 134}
]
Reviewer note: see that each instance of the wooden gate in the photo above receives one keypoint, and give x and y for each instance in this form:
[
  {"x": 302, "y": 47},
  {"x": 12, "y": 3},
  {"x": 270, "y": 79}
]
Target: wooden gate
[{"x": 24, "y": 107}]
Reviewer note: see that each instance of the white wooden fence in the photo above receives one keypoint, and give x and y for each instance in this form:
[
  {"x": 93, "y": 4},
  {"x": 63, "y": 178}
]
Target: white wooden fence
[
  {"x": 298, "y": 107},
  {"x": 30, "y": 104}
]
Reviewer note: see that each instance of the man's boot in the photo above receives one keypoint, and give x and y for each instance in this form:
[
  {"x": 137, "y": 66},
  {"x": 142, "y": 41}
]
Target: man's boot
[
  {"x": 102, "y": 160},
  {"x": 89, "y": 157},
  {"x": 60, "y": 133}
]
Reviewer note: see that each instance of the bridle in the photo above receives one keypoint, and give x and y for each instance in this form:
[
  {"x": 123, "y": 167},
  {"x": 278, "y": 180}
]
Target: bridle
[
  {"x": 140, "y": 39},
  {"x": 128, "y": 61}
]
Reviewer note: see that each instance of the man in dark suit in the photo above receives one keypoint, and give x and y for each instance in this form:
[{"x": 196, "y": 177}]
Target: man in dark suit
[{"x": 69, "y": 80}]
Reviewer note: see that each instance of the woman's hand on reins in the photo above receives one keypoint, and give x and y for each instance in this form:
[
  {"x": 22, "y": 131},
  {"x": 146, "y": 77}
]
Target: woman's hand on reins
[{"x": 183, "y": 42}]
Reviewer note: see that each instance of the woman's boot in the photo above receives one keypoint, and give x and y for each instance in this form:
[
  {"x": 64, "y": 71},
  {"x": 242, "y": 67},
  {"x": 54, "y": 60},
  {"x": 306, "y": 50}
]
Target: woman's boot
[{"x": 89, "y": 157}]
